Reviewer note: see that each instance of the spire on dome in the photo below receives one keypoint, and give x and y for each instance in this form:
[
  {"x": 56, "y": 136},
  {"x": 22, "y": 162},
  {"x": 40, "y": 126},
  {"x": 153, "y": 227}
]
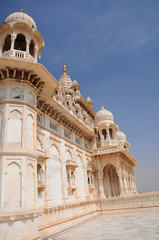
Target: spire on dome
[
  {"x": 64, "y": 69},
  {"x": 102, "y": 107}
]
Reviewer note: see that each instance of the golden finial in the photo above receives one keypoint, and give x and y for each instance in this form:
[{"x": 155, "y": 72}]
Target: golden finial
[
  {"x": 21, "y": 10},
  {"x": 64, "y": 68}
]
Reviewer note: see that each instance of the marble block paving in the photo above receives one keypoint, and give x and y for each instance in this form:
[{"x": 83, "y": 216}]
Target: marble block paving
[{"x": 119, "y": 226}]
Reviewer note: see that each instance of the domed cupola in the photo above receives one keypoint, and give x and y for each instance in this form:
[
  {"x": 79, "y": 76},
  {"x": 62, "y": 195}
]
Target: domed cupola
[
  {"x": 104, "y": 117},
  {"x": 65, "y": 81},
  {"x": 121, "y": 136},
  {"x": 21, "y": 18},
  {"x": 19, "y": 38}
]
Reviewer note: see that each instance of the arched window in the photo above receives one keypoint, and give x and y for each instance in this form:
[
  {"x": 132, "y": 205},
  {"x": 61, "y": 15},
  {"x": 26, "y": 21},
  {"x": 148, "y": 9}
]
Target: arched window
[
  {"x": 72, "y": 177},
  {"x": 104, "y": 134},
  {"x": 110, "y": 133},
  {"x": 54, "y": 152},
  {"x": 91, "y": 179},
  {"x": 39, "y": 171},
  {"x": 88, "y": 180},
  {"x": 111, "y": 181},
  {"x": 31, "y": 48},
  {"x": 20, "y": 42},
  {"x": 68, "y": 177},
  {"x": 7, "y": 43}
]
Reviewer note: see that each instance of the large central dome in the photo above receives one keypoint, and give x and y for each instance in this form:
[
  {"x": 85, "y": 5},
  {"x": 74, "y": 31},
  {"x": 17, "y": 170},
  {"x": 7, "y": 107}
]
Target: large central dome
[{"x": 21, "y": 17}]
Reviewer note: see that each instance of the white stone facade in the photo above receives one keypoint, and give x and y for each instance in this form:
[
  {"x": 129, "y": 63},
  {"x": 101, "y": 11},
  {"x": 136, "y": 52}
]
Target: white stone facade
[{"x": 55, "y": 163}]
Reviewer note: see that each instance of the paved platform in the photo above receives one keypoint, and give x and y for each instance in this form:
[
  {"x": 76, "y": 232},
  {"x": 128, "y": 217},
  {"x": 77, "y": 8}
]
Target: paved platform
[{"x": 120, "y": 226}]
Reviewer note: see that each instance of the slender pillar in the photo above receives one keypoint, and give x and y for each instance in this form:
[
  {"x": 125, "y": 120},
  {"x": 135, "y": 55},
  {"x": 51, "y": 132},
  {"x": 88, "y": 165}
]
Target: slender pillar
[
  {"x": 27, "y": 48},
  {"x": 121, "y": 185},
  {"x": 100, "y": 180},
  {"x": 13, "y": 37},
  {"x": 125, "y": 185},
  {"x": 1, "y": 48},
  {"x": 36, "y": 53},
  {"x": 108, "y": 133}
]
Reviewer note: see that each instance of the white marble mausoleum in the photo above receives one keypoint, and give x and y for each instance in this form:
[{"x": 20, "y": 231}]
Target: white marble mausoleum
[{"x": 59, "y": 159}]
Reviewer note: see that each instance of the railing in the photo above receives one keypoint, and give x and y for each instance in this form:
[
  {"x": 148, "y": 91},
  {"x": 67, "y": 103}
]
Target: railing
[
  {"x": 108, "y": 142},
  {"x": 6, "y": 54},
  {"x": 18, "y": 55}
]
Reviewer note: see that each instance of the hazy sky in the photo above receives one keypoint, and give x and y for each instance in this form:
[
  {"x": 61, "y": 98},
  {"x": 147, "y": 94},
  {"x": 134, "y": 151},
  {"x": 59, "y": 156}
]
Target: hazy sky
[{"x": 112, "y": 49}]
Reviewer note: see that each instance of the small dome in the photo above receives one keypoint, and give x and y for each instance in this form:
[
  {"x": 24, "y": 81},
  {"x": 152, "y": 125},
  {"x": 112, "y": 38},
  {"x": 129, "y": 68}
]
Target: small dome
[
  {"x": 21, "y": 17},
  {"x": 121, "y": 136},
  {"x": 104, "y": 116},
  {"x": 75, "y": 82}
]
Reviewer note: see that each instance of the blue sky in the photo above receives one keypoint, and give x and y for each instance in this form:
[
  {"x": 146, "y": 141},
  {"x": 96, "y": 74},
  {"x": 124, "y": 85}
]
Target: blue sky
[{"x": 112, "y": 49}]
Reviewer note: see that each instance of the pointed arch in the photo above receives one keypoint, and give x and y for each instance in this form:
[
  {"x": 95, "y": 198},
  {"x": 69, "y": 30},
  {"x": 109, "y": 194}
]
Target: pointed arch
[
  {"x": 20, "y": 42},
  {"x": 68, "y": 155},
  {"x": 110, "y": 181},
  {"x": 39, "y": 145},
  {"x": 54, "y": 150},
  {"x": 16, "y": 92},
  {"x": 7, "y": 43},
  {"x": 15, "y": 127},
  {"x": 13, "y": 191}
]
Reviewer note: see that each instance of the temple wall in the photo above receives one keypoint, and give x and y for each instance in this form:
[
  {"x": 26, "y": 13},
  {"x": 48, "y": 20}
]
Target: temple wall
[
  {"x": 19, "y": 226},
  {"x": 138, "y": 201},
  {"x": 54, "y": 219}
]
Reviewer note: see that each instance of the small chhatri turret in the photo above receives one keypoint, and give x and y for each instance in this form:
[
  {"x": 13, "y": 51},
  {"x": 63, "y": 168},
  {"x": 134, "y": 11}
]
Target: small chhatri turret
[{"x": 19, "y": 38}]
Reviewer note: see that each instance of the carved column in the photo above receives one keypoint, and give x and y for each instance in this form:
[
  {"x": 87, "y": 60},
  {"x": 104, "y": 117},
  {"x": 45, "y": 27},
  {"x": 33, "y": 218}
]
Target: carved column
[
  {"x": 36, "y": 52},
  {"x": 125, "y": 184},
  {"x": 107, "y": 129},
  {"x": 13, "y": 37},
  {"x": 1, "y": 48},
  {"x": 100, "y": 180},
  {"x": 134, "y": 185},
  {"x": 121, "y": 185},
  {"x": 27, "y": 48}
]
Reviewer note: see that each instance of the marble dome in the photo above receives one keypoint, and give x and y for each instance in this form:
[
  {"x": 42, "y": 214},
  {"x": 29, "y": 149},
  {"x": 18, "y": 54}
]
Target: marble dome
[
  {"x": 21, "y": 17},
  {"x": 121, "y": 136},
  {"x": 104, "y": 116}
]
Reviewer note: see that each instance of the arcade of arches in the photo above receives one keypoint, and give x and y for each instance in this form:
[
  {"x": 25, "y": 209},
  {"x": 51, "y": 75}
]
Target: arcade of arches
[{"x": 110, "y": 181}]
